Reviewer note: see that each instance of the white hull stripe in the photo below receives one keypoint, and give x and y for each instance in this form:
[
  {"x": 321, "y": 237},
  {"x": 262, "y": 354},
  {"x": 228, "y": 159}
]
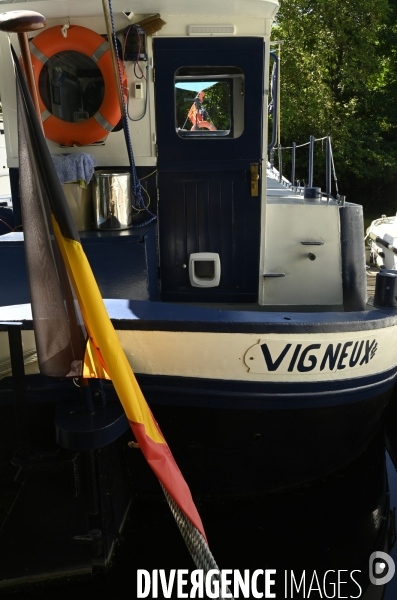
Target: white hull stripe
[
  {"x": 251, "y": 357},
  {"x": 272, "y": 358}
]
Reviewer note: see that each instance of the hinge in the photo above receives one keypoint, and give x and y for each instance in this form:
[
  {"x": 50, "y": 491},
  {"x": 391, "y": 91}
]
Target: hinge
[
  {"x": 158, "y": 195},
  {"x": 255, "y": 179},
  {"x": 157, "y": 150},
  {"x": 154, "y": 74}
]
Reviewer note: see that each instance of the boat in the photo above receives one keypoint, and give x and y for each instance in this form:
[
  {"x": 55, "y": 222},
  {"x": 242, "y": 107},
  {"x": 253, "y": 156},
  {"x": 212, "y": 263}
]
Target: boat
[
  {"x": 239, "y": 298},
  {"x": 382, "y": 247}
]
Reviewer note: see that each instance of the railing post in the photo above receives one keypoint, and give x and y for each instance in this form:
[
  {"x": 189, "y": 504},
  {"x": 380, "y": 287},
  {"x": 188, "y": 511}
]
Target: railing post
[
  {"x": 18, "y": 382},
  {"x": 272, "y": 158},
  {"x": 274, "y": 56},
  {"x": 280, "y": 163},
  {"x": 328, "y": 167},
  {"x": 293, "y": 164},
  {"x": 311, "y": 155}
]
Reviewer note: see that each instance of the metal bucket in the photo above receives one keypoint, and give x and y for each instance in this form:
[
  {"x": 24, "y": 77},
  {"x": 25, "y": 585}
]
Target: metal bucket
[
  {"x": 80, "y": 204},
  {"x": 112, "y": 200}
]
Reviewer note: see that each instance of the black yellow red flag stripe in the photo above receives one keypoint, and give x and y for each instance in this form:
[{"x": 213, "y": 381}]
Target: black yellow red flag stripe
[{"x": 66, "y": 301}]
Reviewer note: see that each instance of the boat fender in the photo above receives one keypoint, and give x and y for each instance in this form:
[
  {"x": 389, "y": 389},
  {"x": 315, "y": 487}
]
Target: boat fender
[
  {"x": 79, "y": 39},
  {"x": 386, "y": 288},
  {"x": 354, "y": 278}
]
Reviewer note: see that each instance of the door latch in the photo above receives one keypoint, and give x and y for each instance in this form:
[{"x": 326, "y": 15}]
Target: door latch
[{"x": 255, "y": 179}]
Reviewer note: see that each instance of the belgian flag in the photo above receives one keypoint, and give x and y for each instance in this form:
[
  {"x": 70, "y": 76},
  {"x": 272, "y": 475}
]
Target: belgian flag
[{"x": 74, "y": 335}]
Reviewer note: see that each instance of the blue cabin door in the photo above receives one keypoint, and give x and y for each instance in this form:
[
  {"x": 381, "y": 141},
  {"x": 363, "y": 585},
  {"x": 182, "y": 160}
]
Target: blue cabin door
[{"x": 209, "y": 118}]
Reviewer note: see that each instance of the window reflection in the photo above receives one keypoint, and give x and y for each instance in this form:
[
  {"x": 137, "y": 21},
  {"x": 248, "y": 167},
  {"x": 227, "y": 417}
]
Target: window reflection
[
  {"x": 209, "y": 109},
  {"x": 71, "y": 86},
  {"x": 209, "y": 102}
]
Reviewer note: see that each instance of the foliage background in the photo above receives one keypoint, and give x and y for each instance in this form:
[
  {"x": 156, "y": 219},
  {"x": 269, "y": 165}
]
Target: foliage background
[{"x": 339, "y": 77}]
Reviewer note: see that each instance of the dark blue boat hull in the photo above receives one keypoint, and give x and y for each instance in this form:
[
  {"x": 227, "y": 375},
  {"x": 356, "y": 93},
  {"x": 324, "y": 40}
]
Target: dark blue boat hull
[{"x": 242, "y": 443}]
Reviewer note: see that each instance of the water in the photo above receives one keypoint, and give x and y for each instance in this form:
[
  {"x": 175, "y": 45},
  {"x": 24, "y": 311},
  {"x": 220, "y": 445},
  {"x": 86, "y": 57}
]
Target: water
[{"x": 333, "y": 524}]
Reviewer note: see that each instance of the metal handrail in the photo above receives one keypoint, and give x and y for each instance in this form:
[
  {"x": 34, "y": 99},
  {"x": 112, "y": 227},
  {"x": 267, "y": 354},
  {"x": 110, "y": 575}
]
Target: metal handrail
[
  {"x": 311, "y": 160},
  {"x": 329, "y": 165}
]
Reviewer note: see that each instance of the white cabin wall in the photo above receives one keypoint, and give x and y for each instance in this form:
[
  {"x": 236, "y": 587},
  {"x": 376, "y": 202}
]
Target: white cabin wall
[
  {"x": 113, "y": 152},
  {"x": 143, "y": 132},
  {"x": 8, "y": 98},
  {"x": 5, "y": 191},
  {"x": 305, "y": 281}
]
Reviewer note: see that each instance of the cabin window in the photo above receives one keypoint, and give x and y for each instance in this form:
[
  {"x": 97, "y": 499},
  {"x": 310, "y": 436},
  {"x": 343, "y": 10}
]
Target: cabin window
[
  {"x": 209, "y": 102},
  {"x": 71, "y": 86}
]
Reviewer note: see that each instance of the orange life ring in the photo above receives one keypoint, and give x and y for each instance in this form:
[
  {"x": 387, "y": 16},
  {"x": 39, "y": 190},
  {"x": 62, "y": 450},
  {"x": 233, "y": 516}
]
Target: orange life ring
[
  {"x": 206, "y": 125},
  {"x": 80, "y": 39}
]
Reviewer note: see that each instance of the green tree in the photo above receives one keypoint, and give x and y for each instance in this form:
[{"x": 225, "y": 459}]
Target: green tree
[{"x": 338, "y": 75}]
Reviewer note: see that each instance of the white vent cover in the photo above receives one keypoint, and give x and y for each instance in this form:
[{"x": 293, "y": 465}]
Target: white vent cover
[{"x": 211, "y": 29}]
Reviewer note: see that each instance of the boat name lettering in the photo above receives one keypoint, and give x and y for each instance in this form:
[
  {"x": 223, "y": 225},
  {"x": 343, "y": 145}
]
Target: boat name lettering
[{"x": 326, "y": 357}]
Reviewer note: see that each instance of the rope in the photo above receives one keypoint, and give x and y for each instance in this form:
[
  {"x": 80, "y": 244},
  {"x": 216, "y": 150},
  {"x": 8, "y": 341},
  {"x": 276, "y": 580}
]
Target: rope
[
  {"x": 146, "y": 176},
  {"x": 146, "y": 99},
  {"x": 136, "y": 184},
  {"x": 196, "y": 544},
  {"x": 333, "y": 170},
  {"x": 301, "y": 145},
  {"x": 9, "y": 226}
]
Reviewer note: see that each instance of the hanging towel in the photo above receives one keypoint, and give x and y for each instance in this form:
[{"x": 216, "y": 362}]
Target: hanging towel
[{"x": 74, "y": 167}]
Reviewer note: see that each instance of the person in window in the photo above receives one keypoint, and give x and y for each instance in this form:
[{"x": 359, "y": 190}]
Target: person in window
[{"x": 199, "y": 115}]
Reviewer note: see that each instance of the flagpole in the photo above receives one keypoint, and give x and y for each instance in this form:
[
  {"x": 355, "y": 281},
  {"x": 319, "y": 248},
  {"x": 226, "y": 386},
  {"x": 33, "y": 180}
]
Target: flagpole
[
  {"x": 22, "y": 22},
  {"x": 108, "y": 23}
]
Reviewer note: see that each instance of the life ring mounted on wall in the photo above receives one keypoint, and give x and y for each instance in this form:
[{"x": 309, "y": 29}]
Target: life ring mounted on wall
[{"x": 79, "y": 39}]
